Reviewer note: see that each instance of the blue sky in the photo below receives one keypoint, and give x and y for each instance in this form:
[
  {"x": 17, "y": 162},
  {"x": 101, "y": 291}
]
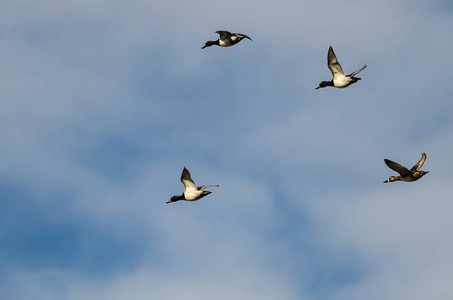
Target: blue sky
[{"x": 105, "y": 102}]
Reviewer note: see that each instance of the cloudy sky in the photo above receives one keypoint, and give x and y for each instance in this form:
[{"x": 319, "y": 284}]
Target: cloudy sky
[{"x": 105, "y": 102}]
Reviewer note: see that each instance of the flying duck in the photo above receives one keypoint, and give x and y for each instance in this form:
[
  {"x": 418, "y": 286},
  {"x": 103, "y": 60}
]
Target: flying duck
[
  {"x": 191, "y": 191},
  {"x": 339, "y": 79},
  {"x": 405, "y": 174},
  {"x": 226, "y": 39}
]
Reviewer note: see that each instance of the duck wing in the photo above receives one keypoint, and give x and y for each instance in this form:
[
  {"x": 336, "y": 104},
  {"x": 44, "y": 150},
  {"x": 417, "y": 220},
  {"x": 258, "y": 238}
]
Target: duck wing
[
  {"x": 241, "y": 35},
  {"x": 187, "y": 180},
  {"x": 224, "y": 34},
  {"x": 403, "y": 171},
  {"x": 205, "y": 186},
  {"x": 356, "y": 72},
  {"x": 420, "y": 163},
  {"x": 333, "y": 64}
]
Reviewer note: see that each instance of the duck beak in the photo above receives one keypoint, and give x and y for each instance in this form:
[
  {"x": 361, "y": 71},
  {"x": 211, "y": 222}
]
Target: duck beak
[{"x": 169, "y": 201}]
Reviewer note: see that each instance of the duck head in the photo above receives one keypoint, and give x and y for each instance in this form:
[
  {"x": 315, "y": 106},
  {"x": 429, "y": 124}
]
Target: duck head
[
  {"x": 176, "y": 198},
  {"x": 323, "y": 84},
  {"x": 210, "y": 43},
  {"x": 393, "y": 178}
]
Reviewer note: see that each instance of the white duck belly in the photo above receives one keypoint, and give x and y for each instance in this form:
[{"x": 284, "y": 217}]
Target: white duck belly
[
  {"x": 342, "y": 82},
  {"x": 193, "y": 194}
]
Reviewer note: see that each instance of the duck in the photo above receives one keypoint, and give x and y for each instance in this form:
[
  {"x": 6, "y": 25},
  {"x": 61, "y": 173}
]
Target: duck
[
  {"x": 191, "y": 191},
  {"x": 406, "y": 175},
  {"x": 226, "y": 39},
  {"x": 339, "y": 79}
]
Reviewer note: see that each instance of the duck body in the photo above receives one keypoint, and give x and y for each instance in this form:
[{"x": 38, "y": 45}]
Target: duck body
[
  {"x": 339, "y": 79},
  {"x": 406, "y": 175},
  {"x": 191, "y": 191},
  {"x": 226, "y": 39}
]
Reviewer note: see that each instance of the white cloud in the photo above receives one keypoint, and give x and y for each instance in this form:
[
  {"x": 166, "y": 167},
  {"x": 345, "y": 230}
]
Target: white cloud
[{"x": 107, "y": 102}]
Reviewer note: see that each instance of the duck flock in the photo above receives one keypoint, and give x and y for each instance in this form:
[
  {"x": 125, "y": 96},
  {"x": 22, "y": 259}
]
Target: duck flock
[{"x": 339, "y": 80}]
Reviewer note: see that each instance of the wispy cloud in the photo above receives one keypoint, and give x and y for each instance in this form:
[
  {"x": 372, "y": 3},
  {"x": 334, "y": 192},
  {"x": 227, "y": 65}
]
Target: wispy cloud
[{"x": 105, "y": 103}]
